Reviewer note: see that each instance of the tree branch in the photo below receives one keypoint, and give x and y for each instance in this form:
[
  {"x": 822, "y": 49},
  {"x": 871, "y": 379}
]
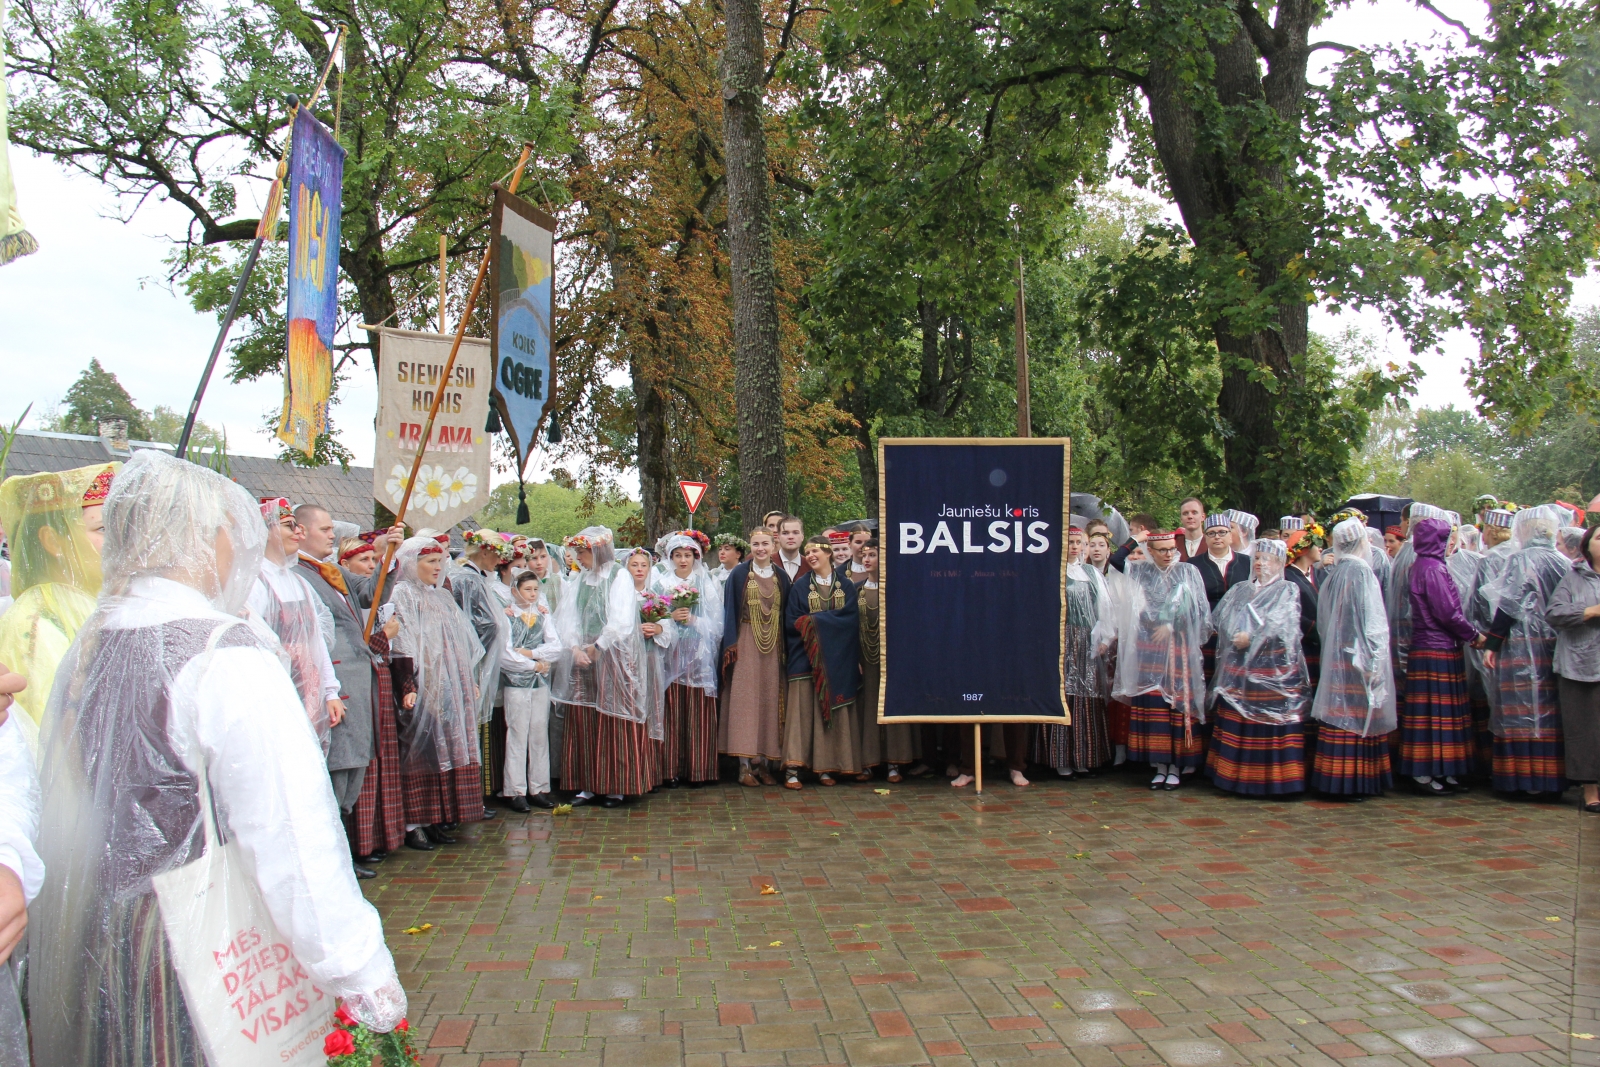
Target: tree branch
[
  {"x": 1334, "y": 46},
  {"x": 1261, "y": 34},
  {"x": 1472, "y": 38}
]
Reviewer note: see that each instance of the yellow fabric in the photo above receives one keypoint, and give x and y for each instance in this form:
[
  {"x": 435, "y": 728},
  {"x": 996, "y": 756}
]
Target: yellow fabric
[
  {"x": 14, "y": 238},
  {"x": 35, "y": 634}
]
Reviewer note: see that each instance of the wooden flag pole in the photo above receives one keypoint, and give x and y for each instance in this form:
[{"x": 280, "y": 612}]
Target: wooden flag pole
[
  {"x": 269, "y": 222},
  {"x": 438, "y": 395},
  {"x": 977, "y": 757},
  {"x": 443, "y": 268},
  {"x": 1024, "y": 414}
]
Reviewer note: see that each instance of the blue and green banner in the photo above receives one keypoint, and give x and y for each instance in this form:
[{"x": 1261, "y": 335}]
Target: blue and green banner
[{"x": 523, "y": 268}]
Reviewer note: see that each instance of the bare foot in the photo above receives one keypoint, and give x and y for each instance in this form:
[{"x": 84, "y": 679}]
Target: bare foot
[
  {"x": 1018, "y": 780},
  {"x": 961, "y": 781}
]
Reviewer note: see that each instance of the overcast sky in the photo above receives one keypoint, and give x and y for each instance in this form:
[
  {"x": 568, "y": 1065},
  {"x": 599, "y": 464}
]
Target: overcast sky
[{"x": 96, "y": 289}]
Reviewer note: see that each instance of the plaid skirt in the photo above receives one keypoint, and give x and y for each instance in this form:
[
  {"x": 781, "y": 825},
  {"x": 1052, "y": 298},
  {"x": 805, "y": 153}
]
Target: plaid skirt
[
  {"x": 433, "y": 797},
  {"x": 689, "y": 735},
  {"x": 380, "y": 816},
  {"x": 1348, "y": 764},
  {"x": 1255, "y": 759},
  {"x": 1529, "y": 764},
  {"x": 606, "y": 755},
  {"x": 1156, "y": 734},
  {"x": 1436, "y": 721}
]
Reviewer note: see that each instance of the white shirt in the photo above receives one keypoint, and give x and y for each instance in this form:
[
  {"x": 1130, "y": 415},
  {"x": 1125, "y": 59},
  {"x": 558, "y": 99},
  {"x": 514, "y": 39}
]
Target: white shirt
[
  {"x": 237, "y": 713},
  {"x": 1222, "y": 562},
  {"x": 287, "y": 585},
  {"x": 791, "y": 566},
  {"x": 759, "y": 571},
  {"x": 19, "y": 808},
  {"x": 1191, "y": 546}
]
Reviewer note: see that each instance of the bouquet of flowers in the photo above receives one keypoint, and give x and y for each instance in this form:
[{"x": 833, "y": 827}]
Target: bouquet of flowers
[
  {"x": 684, "y": 596},
  {"x": 655, "y": 607},
  {"x": 352, "y": 1045}
]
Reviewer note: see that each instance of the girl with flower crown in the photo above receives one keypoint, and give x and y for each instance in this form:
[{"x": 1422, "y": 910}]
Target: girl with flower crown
[{"x": 693, "y": 636}]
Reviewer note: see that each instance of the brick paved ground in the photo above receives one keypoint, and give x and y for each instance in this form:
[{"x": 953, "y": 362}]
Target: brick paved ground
[{"x": 1094, "y": 923}]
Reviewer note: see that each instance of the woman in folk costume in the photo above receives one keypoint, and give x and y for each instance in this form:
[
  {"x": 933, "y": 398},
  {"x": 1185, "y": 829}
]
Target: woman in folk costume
[
  {"x": 1098, "y": 553},
  {"x": 1382, "y": 565},
  {"x": 1397, "y": 594},
  {"x": 283, "y": 602},
  {"x": 1355, "y": 702},
  {"x": 169, "y": 698},
  {"x": 474, "y": 582},
  {"x": 1084, "y": 745},
  {"x": 690, "y": 663},
  {"x": 823, "y": 632},
  {"x": 1520, "y": 659},
  {"x": 898, "y": 745},
  {"x": 1262, "y": 689},
  {"x": 732, "y": 550},
  {"x": 53, "y": 522},
  {"x": 437, "y": 651},
  {"x": 611, "y": 655},
  {"x": 1159, "y": 667},
  {"x": 1436, "y": 744},
  {"x": 753, "y": 657},
  {"x": 1574, "y": 613}
]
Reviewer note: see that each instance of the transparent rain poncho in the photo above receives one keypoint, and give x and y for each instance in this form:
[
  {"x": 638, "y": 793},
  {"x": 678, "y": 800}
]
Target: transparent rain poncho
[
  {"x": 1087, "y": 598},
  {"x": 1523, "y": 675},
  {"x": 1468, "y": 539},
  {"x": 164, "y": 692},
  {"x": 440, "y": 733},
  {"x": 1266, "y": 681},
  {"x": 629, "y": 675},
  {"x": 473, "y": 592},
  {"x": 285, "y": 604},
  {"x": 1567, "y": 540},
  {"x": 55, "y": 576},
  {"x": 693, "y": 651},
  {"x": 1382, "y": 565},
  {"x": 1464, "y": 564},
  {"x": 581, "y": 610},
  {"x": 1356, "y": 691},
  {"x": 1163, "y": 623}
]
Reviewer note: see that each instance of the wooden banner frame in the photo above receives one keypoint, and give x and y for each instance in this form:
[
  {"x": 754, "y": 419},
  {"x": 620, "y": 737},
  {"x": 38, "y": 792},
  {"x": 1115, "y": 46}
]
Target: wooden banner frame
[{"x": 1065, "y": 444}]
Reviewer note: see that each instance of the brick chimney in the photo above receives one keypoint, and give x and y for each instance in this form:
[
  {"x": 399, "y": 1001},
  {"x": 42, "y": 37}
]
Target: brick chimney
[{"x": 114, "y": 434}]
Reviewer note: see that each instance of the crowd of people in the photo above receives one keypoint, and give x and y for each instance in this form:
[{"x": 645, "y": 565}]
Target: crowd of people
[{"x": 174, "y": 646}]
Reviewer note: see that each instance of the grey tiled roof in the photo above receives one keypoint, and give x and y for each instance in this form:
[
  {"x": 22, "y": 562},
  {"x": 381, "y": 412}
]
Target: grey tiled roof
[{"x": 346, "y": 494}]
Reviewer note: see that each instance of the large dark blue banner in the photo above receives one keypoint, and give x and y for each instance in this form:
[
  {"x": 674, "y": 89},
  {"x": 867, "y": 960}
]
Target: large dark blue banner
[{"x": 973, "y": 574}]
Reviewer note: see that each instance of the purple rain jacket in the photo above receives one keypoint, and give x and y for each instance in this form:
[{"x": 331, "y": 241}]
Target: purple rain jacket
[{"x": 1436, "y": 618}]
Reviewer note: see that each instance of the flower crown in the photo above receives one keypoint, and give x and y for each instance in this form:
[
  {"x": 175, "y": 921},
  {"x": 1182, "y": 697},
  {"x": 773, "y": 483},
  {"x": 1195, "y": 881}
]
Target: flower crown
[
  {"x": 584, "y": 541},
  {"x": 1313, "y": 536},
  {"x": 732, "y": 539},
  {"x": 489, "y": 539}
]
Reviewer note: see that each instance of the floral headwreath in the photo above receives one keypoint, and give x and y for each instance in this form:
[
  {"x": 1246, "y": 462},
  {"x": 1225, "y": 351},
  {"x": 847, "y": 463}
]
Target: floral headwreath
[
  {"x": 1313, "y": 536},
  {"x": 584, "y": 541},
  {"x": 1347, "y": 513},
  {"x": 732, "y": 539},
  {"x": 489, "y": 539}
]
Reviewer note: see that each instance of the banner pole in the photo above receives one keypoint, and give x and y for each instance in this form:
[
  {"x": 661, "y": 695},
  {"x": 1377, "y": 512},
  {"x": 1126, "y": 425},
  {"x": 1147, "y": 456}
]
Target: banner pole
[
  {"x": 977, "y": 757},
  {"x": 1024, "y": 414},
  {"x": 268, "y": 221},
  {"x": 433, "y": 410},
  {"x": 443, "y": 267}
]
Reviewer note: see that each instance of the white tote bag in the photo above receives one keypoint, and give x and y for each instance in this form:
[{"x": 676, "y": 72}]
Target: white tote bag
[{"x": 251, "y": 1001}]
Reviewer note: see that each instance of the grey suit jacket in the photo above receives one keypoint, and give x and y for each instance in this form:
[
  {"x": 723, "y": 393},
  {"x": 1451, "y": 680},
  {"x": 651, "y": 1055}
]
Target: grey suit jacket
[{"x": 352, "y": 743}]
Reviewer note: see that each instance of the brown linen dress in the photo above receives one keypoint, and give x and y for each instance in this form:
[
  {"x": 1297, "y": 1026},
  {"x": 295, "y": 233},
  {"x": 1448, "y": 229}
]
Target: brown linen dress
[
  {"x": 752, "y": 721},
  {"x": 807, "y": 742}
]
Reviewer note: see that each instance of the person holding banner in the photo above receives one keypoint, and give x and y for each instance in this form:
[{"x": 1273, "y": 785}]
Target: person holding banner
[
  {"x": 753, "y": 658},
  {"x": 823, "y": 633},
  {"x": 1160, "y": 672},
  {"x": 174, "y": 704},
  {"x": 693, "y": 636},
  {"x": 1355, "y": 700},
  {"x": 1262, "y": 689},
  {"x": 435, "y": 650},
  {"x": 1085, "y": 744}
]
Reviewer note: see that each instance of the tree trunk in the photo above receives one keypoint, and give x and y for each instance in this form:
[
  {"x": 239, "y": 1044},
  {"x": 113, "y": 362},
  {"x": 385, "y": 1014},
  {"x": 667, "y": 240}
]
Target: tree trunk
[
  {"x": 1210, "y": 182},
  {"x": 655, "y": 476},
  {"x": 757, "y": 363}
]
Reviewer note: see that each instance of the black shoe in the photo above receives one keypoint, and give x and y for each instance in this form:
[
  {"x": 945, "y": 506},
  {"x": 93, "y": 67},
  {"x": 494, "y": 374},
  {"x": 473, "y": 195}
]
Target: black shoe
[
  {"x": 613, "y": 802},
  {"x": 438, "y": 836},
  {"x": 518, "y": 804},
  {"x": 418, "y": 839},
  {"x": 365, "y": 872},
  {"x": 1457, "y": 786},
  {"x": 542, "y": 800},
  {"x": 698, "y": 785},
  {"x": 373, "y": 860},
  {"x": 489, "y": 813},
  {"x": 578, "y": 801},
  {"x": 448, "y": 827},
  {"x": 672, "y": 783},
  {"x": 1431, "y": 788}
]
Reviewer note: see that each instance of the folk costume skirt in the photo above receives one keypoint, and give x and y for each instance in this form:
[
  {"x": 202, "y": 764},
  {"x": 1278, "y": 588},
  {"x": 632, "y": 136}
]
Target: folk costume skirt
[
  {"x": 752, "y": 719},
  {"x": 1436, "y": 720},
  {"x": 1156, "y": 734},
  {"x": 1255, "y": 759},
  {"x": 1530, "y": 759},
  {"x": 433, "y": 797},
  {"x": 1348, "y": 764},
  {"x": 689, "y": 735},
  {"x": 380, "y": 813},
  {"x": 826, "y": 748},
  {"x": 608, "y": 756}
]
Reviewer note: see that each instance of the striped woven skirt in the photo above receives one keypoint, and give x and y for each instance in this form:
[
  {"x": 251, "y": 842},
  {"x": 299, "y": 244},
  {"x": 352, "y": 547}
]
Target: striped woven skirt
[
  {"x": 1085, "y": 745},
  {"x": 1348, "y": 764},
  {"x": 380, "y": 812},
  {"x": 689, "y": 735},
  {"x": 1156, "y": 734},
  {"x": 453, "y": 796},
  {"x": 1436, "y": 720},
  {"x": 1255, "y": 759},
  {"x": 607, "y": 755},
  {"x": 141, "y": 1019},
  {"x": 1527, "y": 761}
]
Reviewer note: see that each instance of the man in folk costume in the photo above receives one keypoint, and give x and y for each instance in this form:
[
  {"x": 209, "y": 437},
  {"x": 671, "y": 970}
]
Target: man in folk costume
[
  {"x": 1160, "y": 672},
  {"x": 364, "y": 750},
  {"x": 470, "y": 580},
  {"x": 690, "y": 662},
  {"x": 1436, "y": 742},
  {"x": 753, "y": 658},
  {"x": 525, "y": 662},
  {"x": 53, "y": 522},
  {"x": 1520, "y": 655},
  {"x": 823, "y": 631},
  {"x": 1355, "y": 702},
  {"x": 1262, "y": 690},
  {"x": 1221, "y": 568},
  {"x": 175, "y": 702},
  {"x": 1191, "y": 531}
]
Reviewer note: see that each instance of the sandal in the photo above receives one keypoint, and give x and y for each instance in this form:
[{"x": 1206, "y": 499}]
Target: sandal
[
  {"x": 864, "y": 776},
  {"x": 826, "y": 779},
  {"x": 749, "y": 780},
  {"x": 764, "y": 776},
  {"x": 792, "y": 782},
  {"x": 894, "y": 774}
]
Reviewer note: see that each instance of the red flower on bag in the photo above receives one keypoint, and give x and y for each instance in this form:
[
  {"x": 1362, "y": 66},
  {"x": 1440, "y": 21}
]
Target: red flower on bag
[
  {"x": 344, "y": 1018},
  {"x": 338, "y": 1043},
  {"x": 404, "y": 1026}
]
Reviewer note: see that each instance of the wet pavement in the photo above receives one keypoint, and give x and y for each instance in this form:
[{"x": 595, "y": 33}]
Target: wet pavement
[{"x": 1092, "y": 922}]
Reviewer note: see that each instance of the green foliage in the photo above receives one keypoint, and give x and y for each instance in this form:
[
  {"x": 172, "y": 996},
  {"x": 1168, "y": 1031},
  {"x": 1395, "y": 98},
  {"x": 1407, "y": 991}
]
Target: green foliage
[
  {"x": 556, "y": 511},
  {"x": 98, "y": 395},
  {"x": 166, "y": 424}
]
